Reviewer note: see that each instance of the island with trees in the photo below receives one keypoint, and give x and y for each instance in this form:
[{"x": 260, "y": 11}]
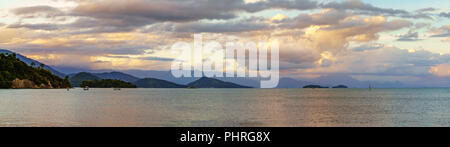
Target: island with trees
[
  {"x": 340, "y": 87},
  {"x": 315, "y": 86},
  {"x": 107, "y": 83}
]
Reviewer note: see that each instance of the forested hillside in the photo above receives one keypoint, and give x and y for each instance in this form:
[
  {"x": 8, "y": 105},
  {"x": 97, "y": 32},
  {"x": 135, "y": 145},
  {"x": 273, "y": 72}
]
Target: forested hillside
[{"x": 17, "y": 74}]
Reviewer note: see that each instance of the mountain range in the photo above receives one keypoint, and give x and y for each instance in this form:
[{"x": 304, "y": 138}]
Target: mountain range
[
  {"x": 157, "y": 83},
  {"x": 78, "y": 79},
  {"x": 110, "y": 75},
  {"x": 148, "y": 78}
]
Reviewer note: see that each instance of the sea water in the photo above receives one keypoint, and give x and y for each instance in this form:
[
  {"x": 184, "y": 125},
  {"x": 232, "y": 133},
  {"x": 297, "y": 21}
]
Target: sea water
[{"x": 225, "y": 107}]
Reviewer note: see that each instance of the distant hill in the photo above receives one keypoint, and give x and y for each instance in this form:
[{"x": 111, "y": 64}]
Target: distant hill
[
  {"x": 112, "y": 75},
  {"x": 77, "y": 79},
  {"x": 16, "y": 74},
  {"x": 107, "y": 83},
  {"x": 117, "y": 76},
  {"x": 214, "y": 83},
  {"x": 156, "y": 83},
  {"x": 167, "y": 75},
  {"x": 292, "y": 83},
  {"x": 314, "y": 86},
  {"x": 340, "y": 86},
  {"x": 29, "y": 61}
]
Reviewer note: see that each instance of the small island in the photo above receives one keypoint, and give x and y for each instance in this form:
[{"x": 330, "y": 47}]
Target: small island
[
  {"x": 156, "y": 83},
  {"x": 107, "y": 83},
  {"x": 340, "y": 87},
  {"x": 213, "y": 83},
  {"x": 314, "y": 86}
]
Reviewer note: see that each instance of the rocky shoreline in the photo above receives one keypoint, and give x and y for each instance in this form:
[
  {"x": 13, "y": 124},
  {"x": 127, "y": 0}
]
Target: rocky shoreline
[{"x": 27, "y": 84}]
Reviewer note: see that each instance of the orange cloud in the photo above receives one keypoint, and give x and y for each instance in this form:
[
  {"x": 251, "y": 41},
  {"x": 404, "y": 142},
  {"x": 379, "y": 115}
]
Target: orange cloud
[
  {"x": 335, "y": 38},
  {"x": 442, "y": 70}
]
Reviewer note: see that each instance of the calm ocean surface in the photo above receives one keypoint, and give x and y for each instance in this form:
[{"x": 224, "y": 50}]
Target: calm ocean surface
[{"x": 225, "y": 107}]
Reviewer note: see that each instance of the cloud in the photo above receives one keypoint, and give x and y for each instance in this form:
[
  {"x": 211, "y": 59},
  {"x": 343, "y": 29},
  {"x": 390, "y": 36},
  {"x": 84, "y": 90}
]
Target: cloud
[
  {"x": 385, "y": 61},
  {"x": 359, "y": 5},
  {"x": 442, "y": 35},
  {"x": 326, "y": 17},
  {"x": 157, "y": 59},
  {"x": 421, "y": 25},
  {"x": 36, "y": 11},
  {"x": 245, "y": 25},
  {"x": 443, "y": 31},
  {"x": 319, "y": 45},
  {"x": 47, "y": 26},
  {"x": 103, "y": 16},
  {"x": 85, "y": 44},
  {"x": 158, "y": 10},
  {"x": 441, "y": 70},
  {"x": 367, "y": 47},
  {"x": 445, "y": 14},
  {"x": 280, "y": 4},
  {"x": 92, "y": 25},
  {"x": 410, "y": 36},
  {"x": 330, "y": 37},
  {"x": 117, "y": 15},
  {"x": 427, "y": 10},
  {"x": 335, "y": 38}
]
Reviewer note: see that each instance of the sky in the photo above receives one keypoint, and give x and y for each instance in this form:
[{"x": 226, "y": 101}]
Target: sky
[{"x": 389, "y": 40}]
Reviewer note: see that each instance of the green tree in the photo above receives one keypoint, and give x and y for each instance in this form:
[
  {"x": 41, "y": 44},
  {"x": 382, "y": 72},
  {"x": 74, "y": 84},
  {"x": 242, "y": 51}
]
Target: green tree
[{"x": 12, "y": 68}]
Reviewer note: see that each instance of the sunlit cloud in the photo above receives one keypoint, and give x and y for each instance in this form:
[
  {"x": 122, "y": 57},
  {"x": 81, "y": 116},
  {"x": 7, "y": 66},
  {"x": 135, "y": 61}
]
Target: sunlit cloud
[
  {"x": 442, "y": 70},
  {"x": 316, "y": 37}
]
